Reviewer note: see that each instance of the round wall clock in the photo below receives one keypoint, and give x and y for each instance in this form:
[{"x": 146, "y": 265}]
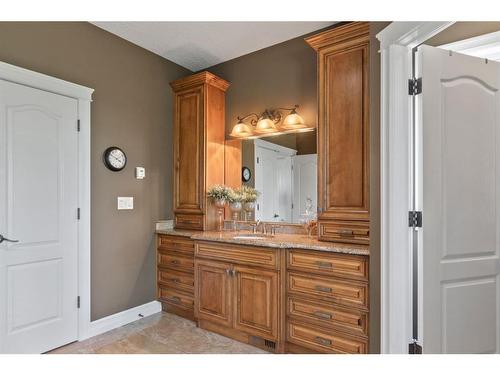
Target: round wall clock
[
  {"x": 246, "y": 175},
  {"x": 114, "y": 159}
]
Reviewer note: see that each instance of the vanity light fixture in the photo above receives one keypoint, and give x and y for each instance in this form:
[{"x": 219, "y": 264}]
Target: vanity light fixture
[
  {"x": 293, "y": 120},
  {"x": 267, "y": 123}
]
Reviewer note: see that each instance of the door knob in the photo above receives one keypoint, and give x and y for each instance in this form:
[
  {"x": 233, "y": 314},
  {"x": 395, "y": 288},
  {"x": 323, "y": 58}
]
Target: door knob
[{"x": 2, "y": 238}]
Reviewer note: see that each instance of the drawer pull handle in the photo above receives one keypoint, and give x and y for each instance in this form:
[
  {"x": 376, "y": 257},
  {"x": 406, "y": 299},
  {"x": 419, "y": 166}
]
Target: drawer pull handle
[
  {"x": 323, "y": 315},
  {"x": 324, "y": 264},
  {"x": 346, "y": 232},
  {"x": 322, "y": 288},
  {"x": 174, "y": 280},
  {"x": 323, "y": 341},
  {"x": 175, "y": 299},
  {"x": 174, "y": 261}
]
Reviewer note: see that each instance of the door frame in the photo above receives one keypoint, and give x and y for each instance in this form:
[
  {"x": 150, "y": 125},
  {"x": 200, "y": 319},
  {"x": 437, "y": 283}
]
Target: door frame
[
  {"x": 83, "y": 95},
  {"x": 396, "y": 43}
]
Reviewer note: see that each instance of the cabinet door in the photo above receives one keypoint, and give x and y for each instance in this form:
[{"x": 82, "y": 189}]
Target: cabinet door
[
  {"x": 256, "y": 306},
  {"x": 188, "y": 151},
  {"x": 343, "y": 164},
  {"x": 213, "y": 288}
]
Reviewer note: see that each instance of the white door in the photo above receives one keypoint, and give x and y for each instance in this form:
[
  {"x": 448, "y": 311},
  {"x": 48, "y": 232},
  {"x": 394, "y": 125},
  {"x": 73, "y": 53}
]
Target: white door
[
  {"x": 38, "y": 208},
  {"x": 273, "y": 179},
  {"x": 460, "y": 196},
  {"x": 305, "y": 170}
]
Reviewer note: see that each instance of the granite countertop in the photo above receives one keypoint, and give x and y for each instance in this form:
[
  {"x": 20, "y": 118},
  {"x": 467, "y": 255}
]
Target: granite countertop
[{"x": 280, "y": 241}]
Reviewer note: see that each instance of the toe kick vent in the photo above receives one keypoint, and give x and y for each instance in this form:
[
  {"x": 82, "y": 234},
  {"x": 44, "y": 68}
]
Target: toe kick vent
[{"x": 262, "y": 343}]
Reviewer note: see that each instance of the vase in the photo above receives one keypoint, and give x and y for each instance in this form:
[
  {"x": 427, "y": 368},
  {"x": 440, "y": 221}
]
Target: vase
[
  {"x": 220, "y": 204},
  {"x": 235, "y": 208},
  {"x": 249, "y": 207}
]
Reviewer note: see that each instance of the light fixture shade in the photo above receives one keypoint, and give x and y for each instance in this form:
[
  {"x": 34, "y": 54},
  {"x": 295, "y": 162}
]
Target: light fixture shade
[
  {"x": 241, "y": 130},
  {"x": 293, "y": 121},
  {"x": 265, "y": 125}
]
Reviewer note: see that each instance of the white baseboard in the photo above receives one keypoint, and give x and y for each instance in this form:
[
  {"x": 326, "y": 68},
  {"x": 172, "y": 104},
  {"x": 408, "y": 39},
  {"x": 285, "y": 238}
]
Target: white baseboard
[{"x": 120, "y": 319}]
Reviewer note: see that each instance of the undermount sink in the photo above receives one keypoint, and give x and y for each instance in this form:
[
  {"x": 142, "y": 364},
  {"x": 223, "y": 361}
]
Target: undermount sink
[{"x": 250, "y": 237}]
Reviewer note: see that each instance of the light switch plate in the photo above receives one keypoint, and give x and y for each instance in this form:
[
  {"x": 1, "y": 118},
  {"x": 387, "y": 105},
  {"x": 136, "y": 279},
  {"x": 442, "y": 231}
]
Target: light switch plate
[
  {"x": 125, "y": 203},
  {"x": 140, "y": 173}
]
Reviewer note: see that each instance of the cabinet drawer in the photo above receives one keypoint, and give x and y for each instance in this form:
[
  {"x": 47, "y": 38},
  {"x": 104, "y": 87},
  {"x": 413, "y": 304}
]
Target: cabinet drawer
[
  {"x": 355, "y": 232},
  {"x": 175, "y": 297},
  {"x": 351, "y": 321},
  {"x": 175, "y": 279},
  {"x": 349, "y": 293},
  {"x": 176, "y": 261},
  {"x": 177, "y": 244},
  {"x": 248, "y": 255},
  {"x": 189, "y": 221},
  {"x": 325, "y": 341},
  {"x": 350, "y": 266}
]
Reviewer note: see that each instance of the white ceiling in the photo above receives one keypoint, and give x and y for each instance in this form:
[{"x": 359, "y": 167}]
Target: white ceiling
[{"x": 199, "y": 45}]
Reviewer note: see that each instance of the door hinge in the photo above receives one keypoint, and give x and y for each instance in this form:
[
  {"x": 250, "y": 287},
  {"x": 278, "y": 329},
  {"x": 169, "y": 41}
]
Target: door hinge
[
  {"x": 414, "y": 348},
  {"x": 77, "y": 125},
  {"x": 415, "y": 219},
  {"x": 78, "y": 301},
  {"x": 258, "y": 160},
  {"x": 292, "y": 206},
  {"x": 78, "y": 213},
  {"x": 415, "y": 86}
]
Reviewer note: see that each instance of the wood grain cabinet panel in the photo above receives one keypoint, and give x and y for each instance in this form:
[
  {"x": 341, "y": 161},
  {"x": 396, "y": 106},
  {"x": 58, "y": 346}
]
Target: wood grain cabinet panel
[
  {"x": 248, "y": 255},
  {"x": 348, "y": 266},
  {"x": 348, "y": 320},
  {"x": 343, "y": 127},
  {"x": 214, "y": 292},
  {"x": 256, "y": 294},
  {"x": 175, "y": 261},
  {"x": 325, "y": 341},
  {"x": 176, "y": 297},
  {"x": 198, "y": 140},
  {"x": 168, "y": 243},
  {"x": 343, "y": 292},
  {"x": 176, "y": 279}
]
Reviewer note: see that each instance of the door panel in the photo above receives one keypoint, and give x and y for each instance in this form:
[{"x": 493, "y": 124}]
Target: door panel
[
  {"x": 213, "y": 294},
  {"x": 188, "y": 156},
  {"x": 460, "y": 190},
  {"x": 256, "y": 302},
  {"x": 343, "y": 133},
  {"x": 38, "y": 203}
]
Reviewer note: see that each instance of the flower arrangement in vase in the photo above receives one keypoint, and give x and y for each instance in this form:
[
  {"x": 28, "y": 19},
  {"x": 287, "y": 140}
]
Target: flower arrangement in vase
[
  {"x": 220, "y": 195},
  {"x": 249, "y": 196},
  {"x": 235, "y": 204}
]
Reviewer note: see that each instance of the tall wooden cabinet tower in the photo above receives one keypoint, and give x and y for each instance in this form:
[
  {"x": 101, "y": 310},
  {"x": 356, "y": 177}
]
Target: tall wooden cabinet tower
[
  {"x": 343, "y": 133},
  {"x": 198, "y": 148}
]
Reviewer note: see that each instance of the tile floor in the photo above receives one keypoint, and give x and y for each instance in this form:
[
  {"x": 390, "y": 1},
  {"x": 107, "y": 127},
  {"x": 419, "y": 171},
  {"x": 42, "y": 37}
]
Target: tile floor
[{"x": 162, "y": 333}]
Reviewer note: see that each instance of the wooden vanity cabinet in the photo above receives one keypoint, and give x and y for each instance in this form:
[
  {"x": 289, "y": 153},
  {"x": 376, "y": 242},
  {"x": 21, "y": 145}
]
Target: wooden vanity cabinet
[
  {"x": 237, "y": 292},
  {"x": 175, "y": 274},
  {"x": 327, "y": 304},
  {"x": 343, "y": 133},
  {"x": 198, "y": 142}
]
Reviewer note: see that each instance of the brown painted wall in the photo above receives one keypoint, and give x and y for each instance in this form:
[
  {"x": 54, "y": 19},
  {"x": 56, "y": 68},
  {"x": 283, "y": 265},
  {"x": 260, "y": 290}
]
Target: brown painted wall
[{"x": 132, "y": 109}]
